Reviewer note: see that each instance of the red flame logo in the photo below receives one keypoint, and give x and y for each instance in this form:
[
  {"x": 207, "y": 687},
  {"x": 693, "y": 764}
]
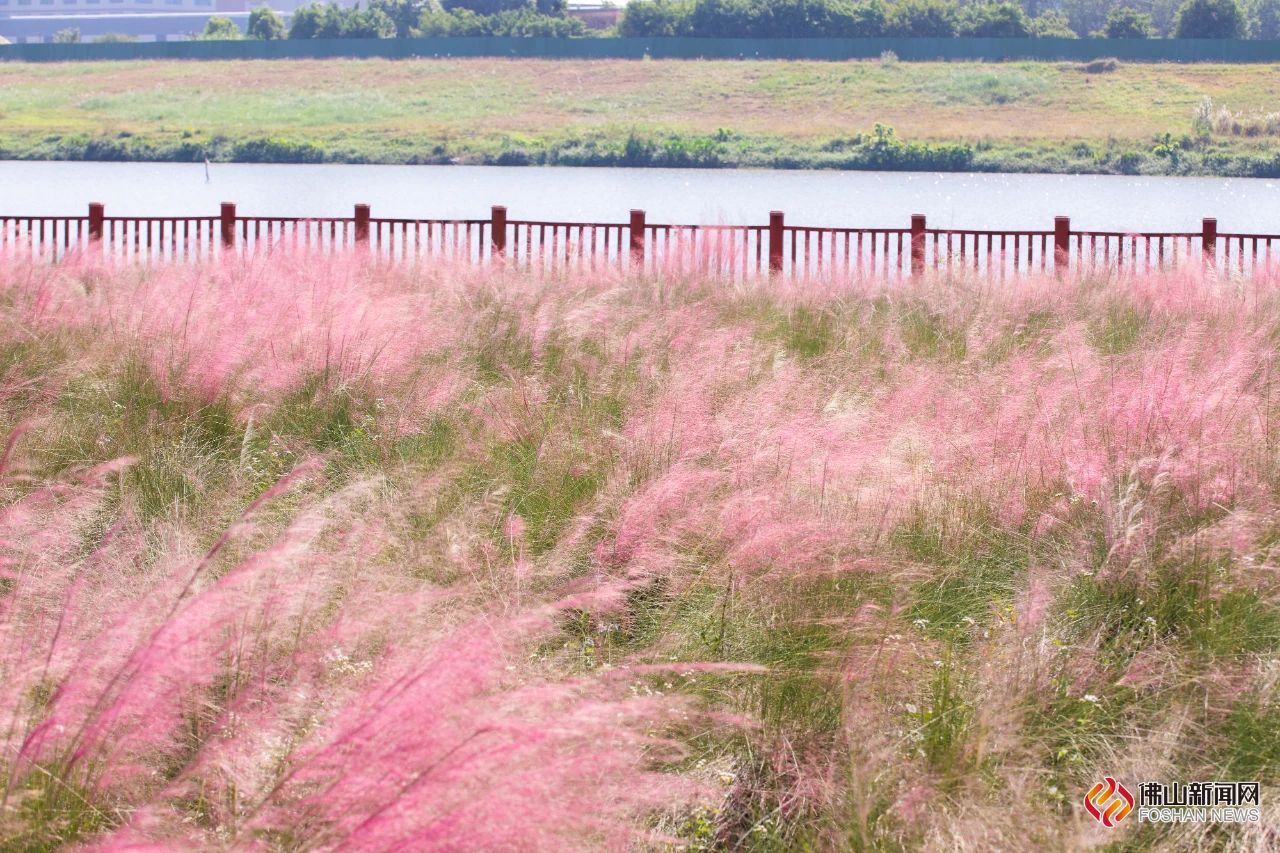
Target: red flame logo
[{"x": 1109, "y": 802}]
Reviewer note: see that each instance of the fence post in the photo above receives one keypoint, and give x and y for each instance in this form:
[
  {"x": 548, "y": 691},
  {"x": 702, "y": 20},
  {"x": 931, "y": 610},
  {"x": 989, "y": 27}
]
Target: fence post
[
  {"x": 917, "y": 244},
  {"x": 228, "y": 225},
  {"x": 97, "y": 214},
  {"x": 362, "y": 225},
  {"x": 637, "y": 240},
  {"x": 1061, "y": 244},
  {"x": 775, "y": 241},
  {"x": 498, "y": 230},
  {"x": 1209, "y": 242}
]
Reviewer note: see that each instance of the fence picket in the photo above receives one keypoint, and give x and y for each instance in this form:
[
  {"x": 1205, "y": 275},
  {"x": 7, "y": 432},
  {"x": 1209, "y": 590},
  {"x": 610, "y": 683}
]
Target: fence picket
[{"x": 736, "y": 251}]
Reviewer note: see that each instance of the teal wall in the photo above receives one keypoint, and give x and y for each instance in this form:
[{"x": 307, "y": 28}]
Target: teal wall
[{"x": 1154, "y": 50}]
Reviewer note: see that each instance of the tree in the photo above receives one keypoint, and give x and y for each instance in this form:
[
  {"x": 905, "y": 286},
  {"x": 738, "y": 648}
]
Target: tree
[
  {"x": 921, "y": 19},
  {"x": 1264, "y": 19},
  {"x": 807, "y": 18},
  {"x": 405, "y": 14},
  {"x": 1125, "y": 23},
  {"x": 656, "y": 18},
  {"x": 220, "y": 28},
  {"x": 1085, "y": 16},
  {"x": 525, "y": 24},
  {"x": 265, "y": 24},
  {"x": 366, "y": 24},
  {"x": 307, "y": 21},
  {"x": 995, "y": 20},
  {"x": 522, "y": 23},
  {"x": 867, "y": 19},
  {"x": 1051, "y": 25},
  {"x": 1210, "y": 19},
  {"x": 71, "y": 35},
  {"x": 332, "y": 21},
  {"x": 488, "y": 7}
]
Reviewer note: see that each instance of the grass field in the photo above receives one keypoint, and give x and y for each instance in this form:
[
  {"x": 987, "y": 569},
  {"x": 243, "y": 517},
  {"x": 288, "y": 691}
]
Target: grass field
[
  {"x": 1014, "y": 116},
  {"x": 301, "y": 553}
]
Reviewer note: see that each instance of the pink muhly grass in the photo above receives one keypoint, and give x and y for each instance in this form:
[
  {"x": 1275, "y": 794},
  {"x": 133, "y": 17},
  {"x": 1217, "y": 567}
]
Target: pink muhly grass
[
  {"x": 988, "y": 444},
  {"x": 285, "y": 691},
  {"x": 446, "y": 749},
  {"x": 256, "y": 328},
  {"x": 127, "y": 688}
]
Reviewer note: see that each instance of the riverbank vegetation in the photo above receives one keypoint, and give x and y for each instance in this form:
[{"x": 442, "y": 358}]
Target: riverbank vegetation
[
  {"x": 1105, "y": 117},
  {"x": 301, "y": 552}
]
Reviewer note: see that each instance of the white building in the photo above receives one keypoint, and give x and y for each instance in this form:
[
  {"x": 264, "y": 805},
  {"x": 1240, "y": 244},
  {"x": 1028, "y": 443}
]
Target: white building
[{"x": 95, "y": 7}]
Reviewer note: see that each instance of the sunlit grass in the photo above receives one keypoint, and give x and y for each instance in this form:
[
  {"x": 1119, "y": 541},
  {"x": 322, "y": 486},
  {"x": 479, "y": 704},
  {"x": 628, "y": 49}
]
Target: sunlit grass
[{"x": 1019, "y": 115}]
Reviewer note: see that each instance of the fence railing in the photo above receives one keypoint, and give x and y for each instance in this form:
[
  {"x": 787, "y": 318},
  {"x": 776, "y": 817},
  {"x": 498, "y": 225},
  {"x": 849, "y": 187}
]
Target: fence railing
[{"x": 734, "y": 251}]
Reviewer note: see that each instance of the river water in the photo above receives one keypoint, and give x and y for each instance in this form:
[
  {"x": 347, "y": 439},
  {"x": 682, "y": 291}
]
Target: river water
[{"x": 686, "y": 196}]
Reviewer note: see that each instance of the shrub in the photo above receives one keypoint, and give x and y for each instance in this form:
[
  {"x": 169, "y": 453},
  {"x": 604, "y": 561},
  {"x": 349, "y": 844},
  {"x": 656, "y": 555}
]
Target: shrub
[
  {"x": 1210, "y": 19},
  {"x": 1052, "y": 24},
  {"x": 856, "y": 20},
  {"x": 115, "y": 38},
  {"x": 729, "y": 19},
  {"x": 370, "y": 23},
  {"x": 755, "y": 18},
  {"x": 308, "y": 21},
  {"x": 1126, "y": 23},
  {"x": 883, "y": 149},
  {"x": 656, "y": 18},
  {"x": 489, "y": 7},
  {"x": 220, "y": 28},
  {"x": 269, "y": 150},
  {"x": 921, "y": 19},
  {"x": 520, "y": 23},
  {"x": 71, "y": 35},
  {"x": 994, "y": 20},
  {"x": 265, "y": 24}
]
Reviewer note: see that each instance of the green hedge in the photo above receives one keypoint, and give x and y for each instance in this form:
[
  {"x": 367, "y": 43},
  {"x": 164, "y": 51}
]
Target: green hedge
[{"x": 989, "y": 49}]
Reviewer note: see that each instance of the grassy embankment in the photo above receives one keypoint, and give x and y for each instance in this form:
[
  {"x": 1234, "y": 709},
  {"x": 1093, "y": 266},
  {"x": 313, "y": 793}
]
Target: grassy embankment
[
  {"x": 1054, "y": 117},
  {"x": 982, "y": 544}
]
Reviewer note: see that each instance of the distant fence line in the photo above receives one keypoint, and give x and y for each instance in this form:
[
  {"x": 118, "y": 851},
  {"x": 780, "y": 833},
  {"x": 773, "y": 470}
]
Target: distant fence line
[
  {"x": 834, "y": 49},
  {"x": 638, "y": 245}
]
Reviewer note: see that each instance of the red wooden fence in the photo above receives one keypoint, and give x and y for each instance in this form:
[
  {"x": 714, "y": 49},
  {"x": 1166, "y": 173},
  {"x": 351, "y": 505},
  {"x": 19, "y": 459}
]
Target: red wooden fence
[{"x": 737, "y": 251}]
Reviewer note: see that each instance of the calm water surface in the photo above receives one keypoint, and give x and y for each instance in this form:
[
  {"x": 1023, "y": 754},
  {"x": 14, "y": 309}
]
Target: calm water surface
[{"x": 876, "y": 199}]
